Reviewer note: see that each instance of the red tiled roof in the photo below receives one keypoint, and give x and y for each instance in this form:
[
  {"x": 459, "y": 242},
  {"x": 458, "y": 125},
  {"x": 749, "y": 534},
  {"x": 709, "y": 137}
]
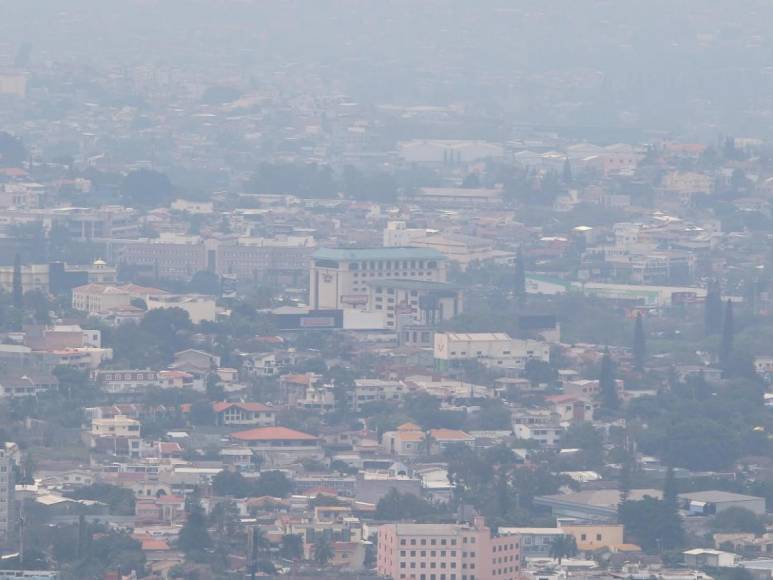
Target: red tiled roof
[
  {"x": 273, "y": 434},
  {"x": 449, "y": 434},
  {"x": 298, "y": 379}
]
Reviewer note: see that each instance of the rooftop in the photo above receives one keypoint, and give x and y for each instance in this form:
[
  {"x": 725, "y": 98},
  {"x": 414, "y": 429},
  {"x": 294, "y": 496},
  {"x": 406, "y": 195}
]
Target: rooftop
[
  {"x": 355, "y": 254},
  {"x": 273, "y": 434}
]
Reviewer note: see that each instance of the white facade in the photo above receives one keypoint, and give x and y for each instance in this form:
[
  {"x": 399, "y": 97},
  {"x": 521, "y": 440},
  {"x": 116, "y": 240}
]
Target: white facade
[
  {"x": 7, "y": 498},
  {"x": 490, "y": 348},
  {"x": 340, "y": 279}
]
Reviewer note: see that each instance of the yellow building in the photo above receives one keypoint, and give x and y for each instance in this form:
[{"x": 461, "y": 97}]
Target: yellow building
[{"x": 595, "y": 536}]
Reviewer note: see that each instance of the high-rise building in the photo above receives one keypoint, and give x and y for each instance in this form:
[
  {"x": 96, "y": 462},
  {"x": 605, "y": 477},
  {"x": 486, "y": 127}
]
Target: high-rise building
[
  {"x": 447, "y": 552},
  {"x": 8, "y": 519},
  {"x": 342, "y": 278}
]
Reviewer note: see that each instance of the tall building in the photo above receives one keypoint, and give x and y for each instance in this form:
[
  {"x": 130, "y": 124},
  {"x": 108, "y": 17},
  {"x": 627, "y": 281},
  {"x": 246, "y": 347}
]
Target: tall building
[
  {"x": 342, "y": 278},
  {"x": 447, "y": 552},
  {"x": 8, "y": 520}
]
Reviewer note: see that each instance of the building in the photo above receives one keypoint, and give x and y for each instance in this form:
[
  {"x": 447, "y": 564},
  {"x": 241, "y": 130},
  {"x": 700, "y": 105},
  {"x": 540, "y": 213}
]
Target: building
[
  {"x": 280, "y": 445},
  {"x": 414, "y": 302},
  {"x": 342, "y": 278},
  {"x": 535, "y": 542},
  {"x": 591, "y": 505},
  {"x": 125, "y": 381},
  {"x": 30, "y": 383},
  {"x": 447, "y": 552},
  {"x": 377, "y": 390},
  {"x": 8, "y": 519},
  {"x": 103, "y": 298},
  {"x": 546, "y": 435},
  {"x": 448, "y": 152},
  {"x": 34, "y": 277},
  {"x": 246, "y": 258},
  {"x": 119, "y": 435},
  {"x": 595, "y": 536},
  {"x": 227, "y": 414},
  {"x": 714, "y": 502},
  {"x": 707, "y": 558},
  {"x": 494, "y": 349}
]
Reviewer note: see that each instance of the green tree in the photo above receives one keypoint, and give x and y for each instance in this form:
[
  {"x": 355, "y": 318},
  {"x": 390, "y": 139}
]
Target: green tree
[
  {"x": 567, "y": 171},
  {"x": 651, "y": 524},
  {"x": 728, "y": 332},
  {"x": 396, "y": 506},
  {"x": 272, "y": 483},
  {"x": 12, "y": 150},
  {"x": 701, "y": 444},
  {"x": 291, "y": 547},
  {"x": 194, "y": 537},
  {"x": 232, "y": 484},
  {"x": 639, "y": 343},
  {"x": 608, "y": 384},
  {"x": 519, "y": 276},
  {"x": 671, "y": 490},
  {"x": 119, "y": 499},
  {"x": 738, "y": 519},
  {"x": 146, "y": 188},
  {"x": 205, "y": 282},
  {"x": 563, "y": 546},
  {"x": 323, "y": 551},
  {"x": 712, "y": 310},
  {"x": 17, "y": 290}
]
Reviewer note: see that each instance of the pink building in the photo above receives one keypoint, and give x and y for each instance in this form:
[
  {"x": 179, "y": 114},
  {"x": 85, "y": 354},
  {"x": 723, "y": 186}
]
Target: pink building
[{"x": 447, "y": 552}]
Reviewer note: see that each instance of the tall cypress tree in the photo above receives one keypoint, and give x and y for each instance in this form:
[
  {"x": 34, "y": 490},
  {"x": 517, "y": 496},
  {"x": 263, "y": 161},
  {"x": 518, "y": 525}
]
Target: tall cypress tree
[
  {"x": 639, "y": 343},
  {"x": 18, "y": 291},
  {"x": 728, "y": 331},
  {"x": 670, "y": 490},
  {"x": 519, "y": 281},
  {"x": 608, "y": 384},
  {"x": 567, "y": 172},
  {"x": 712, "y": 310}
]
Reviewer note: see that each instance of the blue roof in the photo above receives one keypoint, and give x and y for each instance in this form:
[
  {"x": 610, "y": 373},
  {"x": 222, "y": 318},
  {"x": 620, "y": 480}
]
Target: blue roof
[{"x": 378, "y": 254}]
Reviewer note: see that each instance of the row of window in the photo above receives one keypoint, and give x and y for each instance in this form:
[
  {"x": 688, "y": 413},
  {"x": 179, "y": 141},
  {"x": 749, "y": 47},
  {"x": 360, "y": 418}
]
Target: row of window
[
  {"x": 433, "y": 565},
  {"x": 392, "y": 264}
]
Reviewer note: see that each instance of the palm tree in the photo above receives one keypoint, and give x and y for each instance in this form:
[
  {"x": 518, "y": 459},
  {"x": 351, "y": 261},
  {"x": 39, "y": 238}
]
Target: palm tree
[
  {"x": 323, "y": 551},
  {"x": 427, "y": 443},
  {"x": 563, "y": 546}
]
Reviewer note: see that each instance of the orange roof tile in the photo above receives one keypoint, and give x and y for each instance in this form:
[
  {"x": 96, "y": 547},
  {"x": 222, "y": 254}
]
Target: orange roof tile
[
  {"x": 450, "y": 434},
  {"x": 273, "y": 434}
]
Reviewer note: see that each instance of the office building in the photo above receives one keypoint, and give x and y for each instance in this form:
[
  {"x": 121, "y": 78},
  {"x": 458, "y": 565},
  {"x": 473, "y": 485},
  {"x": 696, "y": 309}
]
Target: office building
[
  {"x": 447, "y": 552},
  {"x": 342, "y": 278}
]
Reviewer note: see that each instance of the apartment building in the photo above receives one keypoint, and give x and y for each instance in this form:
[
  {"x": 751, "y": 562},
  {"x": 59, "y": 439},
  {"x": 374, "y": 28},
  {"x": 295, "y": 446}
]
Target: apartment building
[
  {"x": 447, "y": 552},
  {"x": 341, "y": 278},
  {"x": 119, "y": 435},
  {"x": 8, "y": 519}
]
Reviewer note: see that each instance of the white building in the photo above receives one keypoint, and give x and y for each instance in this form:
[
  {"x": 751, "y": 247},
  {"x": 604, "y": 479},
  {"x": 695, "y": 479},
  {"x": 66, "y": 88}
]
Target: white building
[
  {"x": 103, "y": 298},
  {"x": 8, "y": 519},
  {"x": 495, "y": 349},
  {"x": 340, "y": 278}
]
